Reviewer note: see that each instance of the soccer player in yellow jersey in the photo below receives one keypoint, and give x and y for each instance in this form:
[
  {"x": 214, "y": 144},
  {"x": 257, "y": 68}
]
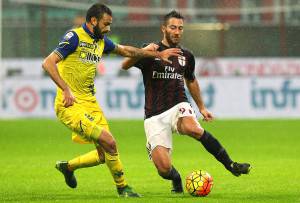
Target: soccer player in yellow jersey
[{"x": 72, "y": 66}]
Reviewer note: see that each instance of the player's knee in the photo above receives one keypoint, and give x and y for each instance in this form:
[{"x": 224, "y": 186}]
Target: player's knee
[
  {"x": 194, "y": 131},
  {"x": 197, "y": 132}
]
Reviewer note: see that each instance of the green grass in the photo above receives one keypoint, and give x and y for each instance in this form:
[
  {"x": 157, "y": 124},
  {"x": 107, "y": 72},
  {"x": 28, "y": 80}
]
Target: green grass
[{"x": 29, "y": 149}]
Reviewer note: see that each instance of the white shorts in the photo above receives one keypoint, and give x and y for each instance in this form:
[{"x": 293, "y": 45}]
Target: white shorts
[{"x": 159, "y": 128}]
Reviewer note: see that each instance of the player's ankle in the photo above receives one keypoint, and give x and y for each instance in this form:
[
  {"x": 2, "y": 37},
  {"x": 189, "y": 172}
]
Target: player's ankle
[{"x": 69, "y": 168}]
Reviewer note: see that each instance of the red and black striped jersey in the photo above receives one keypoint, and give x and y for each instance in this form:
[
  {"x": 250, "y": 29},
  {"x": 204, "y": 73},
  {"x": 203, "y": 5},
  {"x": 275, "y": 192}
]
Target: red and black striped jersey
[{"x": 164, "y": 82}]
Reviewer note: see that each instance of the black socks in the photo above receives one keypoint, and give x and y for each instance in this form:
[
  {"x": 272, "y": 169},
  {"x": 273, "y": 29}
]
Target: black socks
[
  {"x": 213, "y": 146},
  {"x": 173, "y": 175},
  {"x": 176, "y": 179}
]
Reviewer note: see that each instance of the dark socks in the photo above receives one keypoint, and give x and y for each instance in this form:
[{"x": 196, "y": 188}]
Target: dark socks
[
  {"x": 213, "y": 146},
  {"x": 176, "y": 179},
  {"x": 173, "y": 174}
]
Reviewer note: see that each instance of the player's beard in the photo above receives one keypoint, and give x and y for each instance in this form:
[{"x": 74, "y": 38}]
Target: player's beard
[
  {"x": 97, "y": 32},
  {"x": 172, "y": 42}
]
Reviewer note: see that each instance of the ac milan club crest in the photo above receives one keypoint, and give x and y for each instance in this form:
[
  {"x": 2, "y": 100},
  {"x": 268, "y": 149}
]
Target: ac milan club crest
[{"x": 181, "y": 60}]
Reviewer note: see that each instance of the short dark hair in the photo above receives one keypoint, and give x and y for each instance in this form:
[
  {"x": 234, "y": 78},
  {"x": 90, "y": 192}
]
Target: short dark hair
[
  {"x": 172, "y": 14},
  {"x": 97, "y": 10}
]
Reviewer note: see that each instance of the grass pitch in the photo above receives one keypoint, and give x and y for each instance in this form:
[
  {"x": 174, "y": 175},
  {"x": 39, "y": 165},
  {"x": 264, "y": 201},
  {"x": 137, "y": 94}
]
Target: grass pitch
[{"x": 29, "y": 149}]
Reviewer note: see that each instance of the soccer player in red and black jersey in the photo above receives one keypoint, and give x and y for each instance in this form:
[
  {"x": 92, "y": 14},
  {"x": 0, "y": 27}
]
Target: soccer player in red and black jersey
[{"x": 166, "y": 105}]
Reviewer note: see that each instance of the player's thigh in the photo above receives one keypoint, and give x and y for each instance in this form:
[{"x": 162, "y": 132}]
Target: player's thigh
[
  {"x": 189, "y": 125},
  {"x": 185, "y": 121},
  {"x": 157, "y": 134},
  {"x": 99, "y": 117},
  {"x": 106, "y": 139},
  {"x": 80, "y": 121}
]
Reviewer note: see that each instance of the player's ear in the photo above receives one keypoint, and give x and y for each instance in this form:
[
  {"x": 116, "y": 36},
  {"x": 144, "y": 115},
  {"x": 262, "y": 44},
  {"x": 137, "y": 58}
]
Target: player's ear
[
  {"x": 163, "y": 28},
  {"x": 94, "y": 21}
]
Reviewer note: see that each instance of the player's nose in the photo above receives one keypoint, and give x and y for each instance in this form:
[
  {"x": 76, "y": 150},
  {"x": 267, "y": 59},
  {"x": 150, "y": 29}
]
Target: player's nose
[
  {"x": 177, "y": 31},
  {"x": 106, "y": 30}
]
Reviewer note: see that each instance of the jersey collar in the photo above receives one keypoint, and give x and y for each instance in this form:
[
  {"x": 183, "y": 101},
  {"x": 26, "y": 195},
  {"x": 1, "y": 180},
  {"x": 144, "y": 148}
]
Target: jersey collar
[
  {"x": 88, "y": 31},
  {"x": 167, "y": 47}
]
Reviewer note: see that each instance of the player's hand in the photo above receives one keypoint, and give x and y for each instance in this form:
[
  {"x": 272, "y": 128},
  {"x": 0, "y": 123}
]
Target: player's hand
[
  {"x": 69, "y": 98},
  {"x": 207, "y": 116},
  {"x": 151, "y": 47},
  {"x": 165, "y": 54}
]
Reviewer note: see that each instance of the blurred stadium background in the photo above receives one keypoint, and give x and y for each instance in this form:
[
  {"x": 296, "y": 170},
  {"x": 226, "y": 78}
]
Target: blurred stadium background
[
  {"x": 247, "y": 54},
  {"x": 247, "y": 62}
]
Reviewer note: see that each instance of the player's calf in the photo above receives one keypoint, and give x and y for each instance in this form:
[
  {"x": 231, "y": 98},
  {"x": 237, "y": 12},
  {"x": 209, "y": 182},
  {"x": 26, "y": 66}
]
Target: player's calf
[
  {"x": 174, "y": 176},
  {"x": 213, "y": 146}
]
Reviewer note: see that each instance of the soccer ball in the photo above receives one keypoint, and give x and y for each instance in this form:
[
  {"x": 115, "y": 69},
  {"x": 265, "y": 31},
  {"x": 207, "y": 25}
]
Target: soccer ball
[{"x": 199, "y": 183}]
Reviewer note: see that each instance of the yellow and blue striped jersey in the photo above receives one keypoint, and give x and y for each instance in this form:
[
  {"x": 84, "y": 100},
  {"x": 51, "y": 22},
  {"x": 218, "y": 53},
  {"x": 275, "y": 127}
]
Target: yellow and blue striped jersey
[{"x": 81, "y": 52}]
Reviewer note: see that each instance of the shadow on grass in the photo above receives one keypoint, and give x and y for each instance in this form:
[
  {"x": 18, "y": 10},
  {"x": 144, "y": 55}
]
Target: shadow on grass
[
  {"x": 59, "y": 197},
  {"x": 149, "y": 197},
  {"x": 257, "y": 197}
]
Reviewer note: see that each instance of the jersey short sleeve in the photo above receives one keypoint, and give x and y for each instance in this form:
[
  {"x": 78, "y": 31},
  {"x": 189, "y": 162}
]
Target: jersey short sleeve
[
  {"x": 109, "y": 46},
  {"x": 189, "y": 73},
  {"x": 67, "y": 45}
]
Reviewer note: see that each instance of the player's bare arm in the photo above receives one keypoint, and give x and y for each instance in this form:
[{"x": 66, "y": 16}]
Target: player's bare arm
[
  {"x": 49, "y": 65},
  {"x": 133, "y": 52},
  {"x": 195, "y": 91},
  {"x": 129, "y": 62}
]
